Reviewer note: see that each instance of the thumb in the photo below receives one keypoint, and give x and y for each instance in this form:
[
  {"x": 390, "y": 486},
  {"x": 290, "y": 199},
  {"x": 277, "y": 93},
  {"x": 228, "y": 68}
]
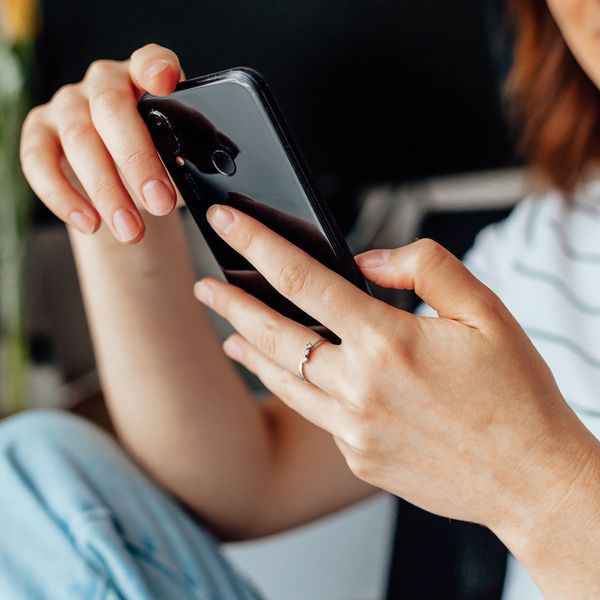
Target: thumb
[{"x": 436, "y": 276}]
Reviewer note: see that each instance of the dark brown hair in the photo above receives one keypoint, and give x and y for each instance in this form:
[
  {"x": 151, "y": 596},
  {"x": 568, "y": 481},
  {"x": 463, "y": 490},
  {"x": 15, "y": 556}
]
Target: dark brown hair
[{"x": 556, "y": 105}]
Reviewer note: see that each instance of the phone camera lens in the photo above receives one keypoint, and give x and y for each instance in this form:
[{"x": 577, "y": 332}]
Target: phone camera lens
[
  {"x": 159, "y": 119},
  {"x": 223, "y": 162},
  {"x": 168, "y": 136}
]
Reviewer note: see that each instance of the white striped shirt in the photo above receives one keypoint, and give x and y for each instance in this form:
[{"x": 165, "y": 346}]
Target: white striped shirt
[{"x": 543, "y": 261}]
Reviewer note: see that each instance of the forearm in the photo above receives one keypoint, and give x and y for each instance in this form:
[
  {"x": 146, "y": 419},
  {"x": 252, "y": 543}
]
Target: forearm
[{"x": 178, "y": 405}]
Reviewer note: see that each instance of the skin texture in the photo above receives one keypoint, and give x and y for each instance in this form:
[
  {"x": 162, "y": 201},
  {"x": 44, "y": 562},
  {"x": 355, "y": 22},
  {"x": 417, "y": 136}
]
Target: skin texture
[
  {"x": 459, "y": 414},
  {"x": 579, "y": 22}
]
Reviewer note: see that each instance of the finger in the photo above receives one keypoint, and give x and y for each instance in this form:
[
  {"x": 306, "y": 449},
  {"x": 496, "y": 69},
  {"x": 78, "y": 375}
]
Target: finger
[
  {"x": 321, "y": 293},
  {"x": 94, "y": 167},
  {"x": 40, "y": 161},
  {"x": 348, "y": 451},
  {"x": 309, "y": 401},
  {"x": 155, "y": 69},
  {"x": 113, "y": 110},
  {"x": 436, "y": 276},
  {"x": 278, "y": 338}
]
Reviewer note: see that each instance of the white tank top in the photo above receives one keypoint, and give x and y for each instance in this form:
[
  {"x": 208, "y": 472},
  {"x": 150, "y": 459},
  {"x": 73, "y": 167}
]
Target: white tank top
[{"x": 543, "y": 261}]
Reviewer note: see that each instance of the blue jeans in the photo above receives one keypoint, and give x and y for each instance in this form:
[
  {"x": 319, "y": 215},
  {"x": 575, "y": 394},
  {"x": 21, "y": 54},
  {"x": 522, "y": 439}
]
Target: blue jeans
[{"x": 79, "y": 520}]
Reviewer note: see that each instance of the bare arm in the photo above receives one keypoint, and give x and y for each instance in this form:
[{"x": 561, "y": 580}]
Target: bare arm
[{"x": 178, "y": 404}]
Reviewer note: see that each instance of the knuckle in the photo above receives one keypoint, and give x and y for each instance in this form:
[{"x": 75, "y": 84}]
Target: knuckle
[
  {"x": 75, "y": 132},
  {"x": 392, "y": 350},
  {"x": 151, "y": 47},
  {"x": 109, "y": 100},
  {"x": 293, "y": 278},
  {"x": 333, "y": 295},
  {"x": 347, "y": 388},
  {"x": 387, "y": 348},
  {"x": 135, "y": 158},
  {"x": 426, "y": 245},
  {"x": 105, "y": 188},
  {"x": 55, "y": 199},
  {"x": 64, "y": 95},
  {"x": 33, "y": 117},
  {"x": 100, "y": 69},
  {"x": 492, "y": 308},
  {"x": 430, "y": 254},
  {"x": 355, "y": 385},
  {"x": 379, "y": 342},
  {"x": 358, "y": 465},
  {"x": 364, "y": 440},
  {"x": 277, "y": 381},
  {"x": 245, "y": 239},
  {"x": 356, "y": 397},
  {"x": 286, "y": 380},
  {"x": 151, "y": 52},
  {"x": 495, "y": 313},
  {"x": 267, "y": 338},
  {"x": 363, "y": 404}
]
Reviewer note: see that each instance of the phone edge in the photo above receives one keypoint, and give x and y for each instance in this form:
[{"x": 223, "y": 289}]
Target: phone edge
[{"x": 246, "y": 75}]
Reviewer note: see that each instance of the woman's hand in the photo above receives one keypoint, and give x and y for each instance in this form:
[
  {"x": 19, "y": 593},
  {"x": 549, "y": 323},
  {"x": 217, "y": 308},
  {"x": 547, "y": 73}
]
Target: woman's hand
[
  {"x": 96, "y": 127},
  {"x": 458, "y": 414}
]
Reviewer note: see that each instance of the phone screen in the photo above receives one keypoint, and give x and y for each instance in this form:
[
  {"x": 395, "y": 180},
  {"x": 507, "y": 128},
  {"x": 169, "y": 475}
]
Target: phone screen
[{"x": 221, "y": 145}]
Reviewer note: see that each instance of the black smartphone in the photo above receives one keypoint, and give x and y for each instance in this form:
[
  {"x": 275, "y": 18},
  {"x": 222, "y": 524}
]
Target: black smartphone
[{"x": 223, "y": 140}]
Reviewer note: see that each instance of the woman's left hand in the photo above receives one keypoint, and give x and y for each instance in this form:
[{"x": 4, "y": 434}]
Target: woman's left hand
[{"x": 457, "y": 414}]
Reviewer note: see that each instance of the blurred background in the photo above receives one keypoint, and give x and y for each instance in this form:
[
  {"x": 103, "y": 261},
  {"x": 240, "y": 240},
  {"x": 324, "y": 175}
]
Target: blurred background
[{"x": 398, "y": 108}]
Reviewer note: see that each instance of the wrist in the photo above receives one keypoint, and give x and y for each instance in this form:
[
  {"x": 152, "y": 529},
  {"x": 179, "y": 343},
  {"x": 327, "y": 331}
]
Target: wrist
[{"x": 557, "y": 513}]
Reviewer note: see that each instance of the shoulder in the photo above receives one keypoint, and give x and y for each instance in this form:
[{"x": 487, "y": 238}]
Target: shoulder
[{"x": 497, "y": 246}]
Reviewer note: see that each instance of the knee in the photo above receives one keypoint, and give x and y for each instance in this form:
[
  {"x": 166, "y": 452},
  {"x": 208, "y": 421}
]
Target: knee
[
  {"x": 42, "y": 424},
  {"x": 49, "y": 431},
  {"x": 59, "y": 457}
]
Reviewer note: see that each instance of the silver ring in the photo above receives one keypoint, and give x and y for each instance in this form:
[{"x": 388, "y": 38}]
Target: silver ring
[{"x": 306, "y": 356}]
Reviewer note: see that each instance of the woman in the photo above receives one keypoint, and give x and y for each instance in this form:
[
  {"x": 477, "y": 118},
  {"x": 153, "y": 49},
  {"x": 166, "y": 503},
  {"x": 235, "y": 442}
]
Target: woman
[{"x": 458, "y": 414}]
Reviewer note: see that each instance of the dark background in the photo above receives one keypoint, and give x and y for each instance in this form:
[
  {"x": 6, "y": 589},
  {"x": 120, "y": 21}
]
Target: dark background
[{"x": 374, "y": 90}]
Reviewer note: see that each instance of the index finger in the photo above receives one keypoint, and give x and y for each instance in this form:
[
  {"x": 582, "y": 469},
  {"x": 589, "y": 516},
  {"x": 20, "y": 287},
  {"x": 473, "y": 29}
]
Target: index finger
[{"x": 319, "y": 291}]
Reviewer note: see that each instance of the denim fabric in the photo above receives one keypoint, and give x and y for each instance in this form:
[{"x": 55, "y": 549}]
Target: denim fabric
[{"x": 79, "y": 520}]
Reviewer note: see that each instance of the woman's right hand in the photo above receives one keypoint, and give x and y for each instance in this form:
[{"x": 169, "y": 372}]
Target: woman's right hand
[{"x": 93, "y": 129}]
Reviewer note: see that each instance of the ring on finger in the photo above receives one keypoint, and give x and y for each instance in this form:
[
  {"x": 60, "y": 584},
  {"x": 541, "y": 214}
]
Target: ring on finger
[{"x": 306, "y": 356}]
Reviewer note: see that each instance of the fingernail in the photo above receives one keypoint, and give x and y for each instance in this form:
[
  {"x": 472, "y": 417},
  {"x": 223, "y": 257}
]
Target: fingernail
[
  {"x": 156, "y": 68},
  {"x": 159, "y": 197},
  {"x": 204, "y": 293},
  {"x": 126, "y": 225},
  {"x": 221, "y": 219},
  {"x": 82, "y": 222},
  {"x": 233, "y": 349},
  {"x": 373, "y": 258}
]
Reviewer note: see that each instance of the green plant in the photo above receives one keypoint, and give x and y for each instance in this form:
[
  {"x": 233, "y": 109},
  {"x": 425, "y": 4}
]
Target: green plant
[{"x": 16, "y": 61}]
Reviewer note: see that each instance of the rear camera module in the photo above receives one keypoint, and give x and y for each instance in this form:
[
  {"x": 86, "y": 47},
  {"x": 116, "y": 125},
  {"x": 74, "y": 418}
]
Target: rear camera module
[
  {"x": 167, "y": 136},
  {"x": 223, "y": 162}
]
